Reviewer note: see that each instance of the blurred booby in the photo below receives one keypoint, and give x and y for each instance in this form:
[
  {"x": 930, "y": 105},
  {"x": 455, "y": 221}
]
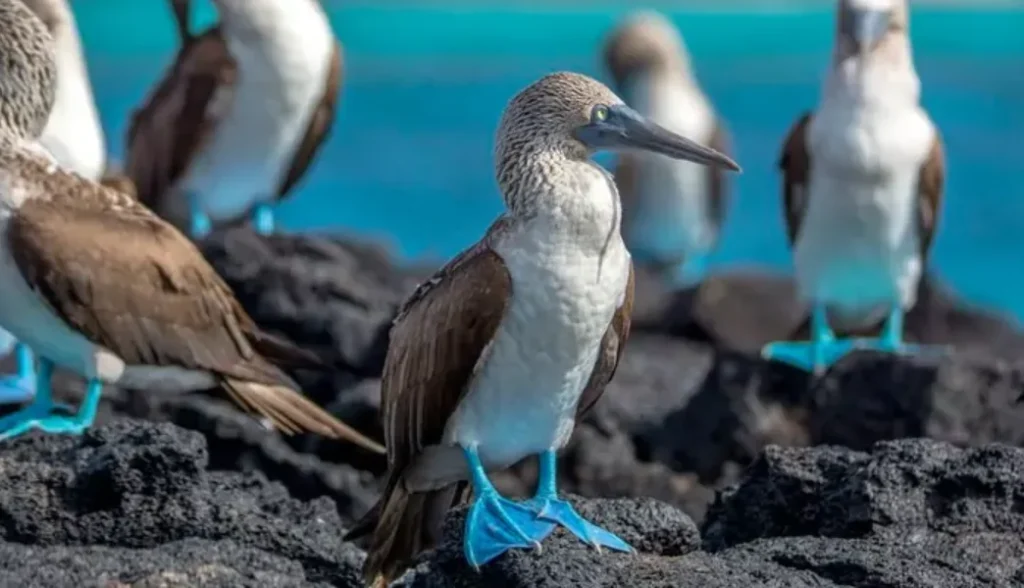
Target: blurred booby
[
  {"x": 239, "y": 117},
  {"x": 96, "y": 283},
  {"x": 863, "y": 180},
  {"x": 496, "y": 357},
  {"x": 74, "y": 136},
  {"x": 672, "y": 210}
]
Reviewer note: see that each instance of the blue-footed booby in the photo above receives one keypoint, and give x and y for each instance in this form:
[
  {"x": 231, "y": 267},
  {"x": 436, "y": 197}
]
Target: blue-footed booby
[
  {"x": 863, "y": 181},
  {"x": 96, "y": 283},
  {"x": 672, "y": 210},
  {"x": 74, "y": 136},
  {"x": 239, "y": 117},
  {"x": 497, "y": 355}
]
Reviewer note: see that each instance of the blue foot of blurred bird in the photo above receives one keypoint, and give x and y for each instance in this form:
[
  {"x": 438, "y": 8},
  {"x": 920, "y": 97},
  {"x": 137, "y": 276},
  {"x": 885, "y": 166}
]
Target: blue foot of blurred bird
[
  {"x": 815, "y": 355},
  {"x": 21, "y": 386},
  {"x": 690, "y": 272},
  {"x": 495, "y": 524},
  {"x": 263, "y": 218},
  {"x": 891, "y": 339},
  {"x": 200, "y": 224},
  {"x": 550, "y": 507},
  {"x": 40, "y": 414}
]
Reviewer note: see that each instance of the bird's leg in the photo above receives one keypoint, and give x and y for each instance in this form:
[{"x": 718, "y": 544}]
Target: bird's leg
[
  {"x": 690, "y": 272},
  {"x": 21, "y": 386},
  {"x": 263, "y": 218},
  {"x": 892, "y": 332},
  {"x": 891, "y": 340},
  {"x": 199, "y": 222},
  {"x": 495, "y": 524},
  {"x": 549, "y": 507},
  {"x": 815, "y": 355},
  {"x": 38, "y": 415}
]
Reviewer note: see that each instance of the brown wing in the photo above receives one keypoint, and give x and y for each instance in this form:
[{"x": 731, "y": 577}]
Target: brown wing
[
  {"x": 129, "y": 282},
  {"x": 930, "y": 189},
  {"x": 718, "y": 178},
  {"x": 320, "y": 125},
  {"x": 178, "y": 117},
  {"x": 612, "y": 345},
  {"x": 795, "y": 165},
  {"x": 436, "y": 344}
]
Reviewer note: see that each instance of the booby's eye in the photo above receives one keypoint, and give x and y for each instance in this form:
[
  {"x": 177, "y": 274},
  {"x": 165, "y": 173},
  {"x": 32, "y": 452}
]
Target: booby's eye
[{"x": 599, "y": 114}]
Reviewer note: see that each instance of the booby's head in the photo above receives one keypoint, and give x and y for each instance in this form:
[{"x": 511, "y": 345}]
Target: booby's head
[
  {"x": 28, "y": 72},
  {"x": 566, "y": 117},
  {"x": 53, "y": 13},
  {"x": 865, "y": 25},
  {"x": 645, "y": 43}
]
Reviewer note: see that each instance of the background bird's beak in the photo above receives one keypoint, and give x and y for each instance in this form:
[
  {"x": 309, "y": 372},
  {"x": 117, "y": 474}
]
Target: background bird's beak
[
  {"x": 625, "y": 128},
  {"x": 866, "y": 28}
]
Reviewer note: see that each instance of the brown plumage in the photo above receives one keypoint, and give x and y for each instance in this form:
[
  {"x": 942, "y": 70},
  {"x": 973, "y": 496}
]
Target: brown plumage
[
  {"x": 176, "y": 121},
  {"x": 439, "y": 341},
  {"x": 132, "y": 284},
  {"x": 795, "y": 164}
]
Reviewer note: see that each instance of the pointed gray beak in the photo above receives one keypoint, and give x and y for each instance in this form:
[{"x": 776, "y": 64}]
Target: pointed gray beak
[
  {"x": 624, "y": 128},
  {"x": 865, "y": 28}
]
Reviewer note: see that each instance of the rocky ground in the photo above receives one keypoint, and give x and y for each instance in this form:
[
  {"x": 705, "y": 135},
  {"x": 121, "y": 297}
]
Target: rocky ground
[{"x": 679, "y": 442}]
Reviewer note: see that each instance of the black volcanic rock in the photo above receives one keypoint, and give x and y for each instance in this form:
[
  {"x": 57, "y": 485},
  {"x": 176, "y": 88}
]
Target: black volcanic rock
[
  {"x": 912, "y": 514},
  {"x": 135, "y": 503}
]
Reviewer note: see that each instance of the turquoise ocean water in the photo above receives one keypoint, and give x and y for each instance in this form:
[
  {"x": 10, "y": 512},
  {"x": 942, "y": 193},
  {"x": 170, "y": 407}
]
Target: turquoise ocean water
[{"x": 410, "y": 159}]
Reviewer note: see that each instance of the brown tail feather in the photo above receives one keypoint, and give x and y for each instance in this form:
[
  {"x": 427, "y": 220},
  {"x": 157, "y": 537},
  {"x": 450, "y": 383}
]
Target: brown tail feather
[
  {"x": 284, "y": 354},
  {"x": 403, "y": 525},
  {"x": 292, "y": 412}
]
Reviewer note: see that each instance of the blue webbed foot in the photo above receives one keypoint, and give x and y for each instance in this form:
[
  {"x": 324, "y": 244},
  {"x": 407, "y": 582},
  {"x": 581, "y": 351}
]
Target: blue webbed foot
[
  {"x": 21, "y": 386},
  {"x": 495, "y": 524},
  {"x": 263, "y": 219},
  {"x": 559, "y": 511},
  {"x": 39, "y": 414},
  {"x": 811, "y": 356},
  {"x": 891, "y": 339},
  {"x": 901, "y": 348},
  {"x": 548, "y": 507}
]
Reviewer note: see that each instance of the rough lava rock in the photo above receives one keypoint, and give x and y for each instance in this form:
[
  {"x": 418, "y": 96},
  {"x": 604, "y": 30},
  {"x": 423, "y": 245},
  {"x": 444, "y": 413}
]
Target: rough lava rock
[
  {"x": 691, "y": 406},
  {"x": 135, "y": 504},
  {"x": 911, "y": 514}
]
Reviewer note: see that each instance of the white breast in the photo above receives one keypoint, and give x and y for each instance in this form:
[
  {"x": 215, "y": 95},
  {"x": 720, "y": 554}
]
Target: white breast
[
  {"x": 282, "y": 78},
  {"x": 859, "y": 246},
  {"x": 564, "y": 294},
  {"x": 669, "y": 217},
  {"x": 73, "y": 133}
]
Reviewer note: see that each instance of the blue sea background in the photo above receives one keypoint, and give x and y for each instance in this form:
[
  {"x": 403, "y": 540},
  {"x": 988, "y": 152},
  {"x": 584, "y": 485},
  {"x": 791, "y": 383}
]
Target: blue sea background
[{"x": 409, "y": 161}]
